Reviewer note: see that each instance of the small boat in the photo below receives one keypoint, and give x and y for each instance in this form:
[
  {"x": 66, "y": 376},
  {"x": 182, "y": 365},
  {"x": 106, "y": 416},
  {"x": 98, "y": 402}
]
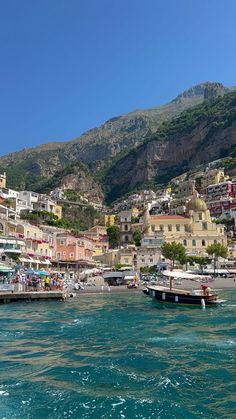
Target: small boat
[{"x": 204, "y": 296}]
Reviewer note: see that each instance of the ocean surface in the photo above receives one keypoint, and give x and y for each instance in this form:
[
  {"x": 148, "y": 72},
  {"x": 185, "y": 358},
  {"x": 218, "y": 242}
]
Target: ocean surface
[{"x": 117, "y": 356}]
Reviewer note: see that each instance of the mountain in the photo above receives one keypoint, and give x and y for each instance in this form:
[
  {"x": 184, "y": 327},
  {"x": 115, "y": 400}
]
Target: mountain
[
  {"x": 77, "y": 183},
  {"x": 199, "y": 135},
  {"x": 99, "y": 147}
]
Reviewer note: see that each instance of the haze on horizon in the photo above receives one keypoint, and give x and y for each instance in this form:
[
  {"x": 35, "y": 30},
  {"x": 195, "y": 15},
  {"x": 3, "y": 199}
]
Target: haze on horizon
[{"x": 67, "y": 67}]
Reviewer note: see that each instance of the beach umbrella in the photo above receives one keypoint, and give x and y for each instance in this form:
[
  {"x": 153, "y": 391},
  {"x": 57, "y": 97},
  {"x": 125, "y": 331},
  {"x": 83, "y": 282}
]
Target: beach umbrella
[
  {"x": 43, "y": 273},
  {"x": 31, "y": 271}
]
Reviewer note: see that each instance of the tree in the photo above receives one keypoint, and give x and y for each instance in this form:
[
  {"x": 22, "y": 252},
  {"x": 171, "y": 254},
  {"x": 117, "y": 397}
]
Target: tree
[
  {"x": 201, "y": 261},
  {"x": 174, "y": 251},
  {"x": 217, "y": 250},
  {"x": 137, "y": 236},
  {"x": 113, "y": 235}
]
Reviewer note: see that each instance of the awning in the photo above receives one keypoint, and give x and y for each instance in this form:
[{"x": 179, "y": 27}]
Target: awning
[
  {"x": 184, "y": 275},
  {"x": 5, "y": 268},
  {"x": 24, "y": 260},
  {"x": 45, "y": 262}
]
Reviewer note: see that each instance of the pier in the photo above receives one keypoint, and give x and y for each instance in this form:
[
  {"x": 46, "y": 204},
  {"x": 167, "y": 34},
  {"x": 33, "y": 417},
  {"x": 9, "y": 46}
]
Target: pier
[{"x": 12, "y": 297}]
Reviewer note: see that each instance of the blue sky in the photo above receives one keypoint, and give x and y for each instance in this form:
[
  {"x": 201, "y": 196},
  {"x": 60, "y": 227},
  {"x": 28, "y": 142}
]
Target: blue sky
[{"x": 69, "y": 65}]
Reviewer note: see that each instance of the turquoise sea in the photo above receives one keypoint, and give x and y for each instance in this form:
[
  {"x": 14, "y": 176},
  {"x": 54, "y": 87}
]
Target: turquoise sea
[{"x": 117, "y": 356}]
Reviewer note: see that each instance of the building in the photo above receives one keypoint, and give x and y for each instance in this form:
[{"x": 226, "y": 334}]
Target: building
[
  {"x": 3, "y": 180},
  {"x": 46, "y": 204},
  {"x": 221, "y": 190},
  {"x": 149, "y": 253},
  {"x": 72, "y": 252},
  {"x": 38, "y": 245},
  {"x": 147, "y": 257},
  {"x": 10, "y": 247},
  {"x": 195, "y": 230},
  {"x": 221, "y": 199},
  {"x": 185, "y": 189},
  {"x": 30, "y": 198},
  {"x": 125, "y": 221},
  {"x": 109, "y": 219},
  {"x": 212, "y": 177}
]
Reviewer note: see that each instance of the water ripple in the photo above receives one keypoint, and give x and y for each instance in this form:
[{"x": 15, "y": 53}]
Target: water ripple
[{"x": 119, "y": 356}]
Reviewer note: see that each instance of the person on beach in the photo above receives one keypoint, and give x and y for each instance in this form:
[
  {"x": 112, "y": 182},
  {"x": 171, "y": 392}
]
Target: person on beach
[{"x": 47, "y": 283}]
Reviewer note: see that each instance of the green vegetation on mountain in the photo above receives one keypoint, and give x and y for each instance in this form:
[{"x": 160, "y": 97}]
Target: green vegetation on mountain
[
  {"x": 144, "y": 148},
  {"x": 199, "y": 135}
]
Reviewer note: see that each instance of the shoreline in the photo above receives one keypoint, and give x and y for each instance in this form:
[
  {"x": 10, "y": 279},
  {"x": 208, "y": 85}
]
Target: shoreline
[{"x": 220, "y": 284}]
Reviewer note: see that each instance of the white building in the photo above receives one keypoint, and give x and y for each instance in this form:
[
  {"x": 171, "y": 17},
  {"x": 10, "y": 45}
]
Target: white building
[{"x": 29, "y": 197}]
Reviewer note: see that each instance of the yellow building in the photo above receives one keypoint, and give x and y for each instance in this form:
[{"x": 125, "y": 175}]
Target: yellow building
[
  {"x": 3, "y": 180},
  {"x": 109, "y": 219},
  {"x": 212, "y": 177},
  {"x": 38, "y": 244},
  {"x": 195, "y": 230},
  {"x": 134, "y": 212},
  {"x": 57, "y": 210}
]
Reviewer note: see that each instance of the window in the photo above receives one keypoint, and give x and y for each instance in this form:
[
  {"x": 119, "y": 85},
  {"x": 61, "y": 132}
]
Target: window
[
  {"x": 204, "y": 225},
  {"x": 126, "y": 260},
  {"x": 150, "y": 260},
  {"x": 215, "y": 241},
  {"x": 72, "y": 254},
  {"x": 1, "y": 227},
  {"x": 161, "y": 227},
  {"x": 186, "y": 229},
  {"x": 203, "y": 243},
  {"x": 185, "y": 242},
  {"x": 58, "y": 255},
  {"x": 143, "y": 260},
  {"x": 200, "y": 216},
  {"x": 169, "y": 227},
  {"x": 126, "y": 227},
  {"x": 61, "y": 242},
  {"x": 194, "y": 242},
  {"x": 153, "y": 228},
  {"x": 177, "y": 227},
  {"x": 126, "y": 238}
]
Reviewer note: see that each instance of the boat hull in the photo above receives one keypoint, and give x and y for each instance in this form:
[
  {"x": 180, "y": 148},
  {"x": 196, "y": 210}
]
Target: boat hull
[{"x": 164, "y": 295}]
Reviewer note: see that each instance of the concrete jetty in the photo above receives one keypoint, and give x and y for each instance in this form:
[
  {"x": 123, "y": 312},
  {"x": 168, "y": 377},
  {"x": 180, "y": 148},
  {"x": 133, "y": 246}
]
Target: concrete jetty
[{"x": 11, "y": 297}]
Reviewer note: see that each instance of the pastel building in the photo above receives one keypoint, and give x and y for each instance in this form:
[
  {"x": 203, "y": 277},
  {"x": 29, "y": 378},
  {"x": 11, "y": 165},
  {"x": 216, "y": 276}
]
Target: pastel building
[
  {"x": 195, "y": 230},
  {"x": 71, "y": 251}
]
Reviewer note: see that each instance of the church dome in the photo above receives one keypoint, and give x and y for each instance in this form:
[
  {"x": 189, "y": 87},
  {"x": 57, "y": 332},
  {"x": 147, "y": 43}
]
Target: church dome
[{"x": 196, "y": 204}]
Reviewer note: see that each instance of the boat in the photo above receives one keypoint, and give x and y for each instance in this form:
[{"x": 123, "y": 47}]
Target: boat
[{"x": 168, "y": 294}]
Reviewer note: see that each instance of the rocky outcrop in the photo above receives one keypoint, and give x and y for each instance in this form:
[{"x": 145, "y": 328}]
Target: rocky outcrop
[
  {"x": 147, "y": 154},
  {"x": 99, "y": 146},
  {"x": 211, "y": 135},
  {"x": 213, "y": 90}
]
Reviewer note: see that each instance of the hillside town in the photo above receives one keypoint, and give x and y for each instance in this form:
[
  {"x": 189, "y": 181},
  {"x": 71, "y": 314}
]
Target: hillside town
[{"x": 130, "y": 234}]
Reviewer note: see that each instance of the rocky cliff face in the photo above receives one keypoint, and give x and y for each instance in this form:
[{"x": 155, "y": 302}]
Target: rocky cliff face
[
  {"x": 213, "y": 90},
  {"x": 97, "y": 147},
  {"x": 152, "y": 150},
  {"x": 77, "y": 178},
  {"x": 201, "y": 135}
]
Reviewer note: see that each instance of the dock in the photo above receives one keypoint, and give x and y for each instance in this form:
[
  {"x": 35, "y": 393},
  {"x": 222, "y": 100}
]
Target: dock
[{"x": 12, "y": 297}]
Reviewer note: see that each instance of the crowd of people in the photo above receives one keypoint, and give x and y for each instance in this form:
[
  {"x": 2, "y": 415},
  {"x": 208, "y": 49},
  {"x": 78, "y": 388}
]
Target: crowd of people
[{"x": 38, "y": 282}]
